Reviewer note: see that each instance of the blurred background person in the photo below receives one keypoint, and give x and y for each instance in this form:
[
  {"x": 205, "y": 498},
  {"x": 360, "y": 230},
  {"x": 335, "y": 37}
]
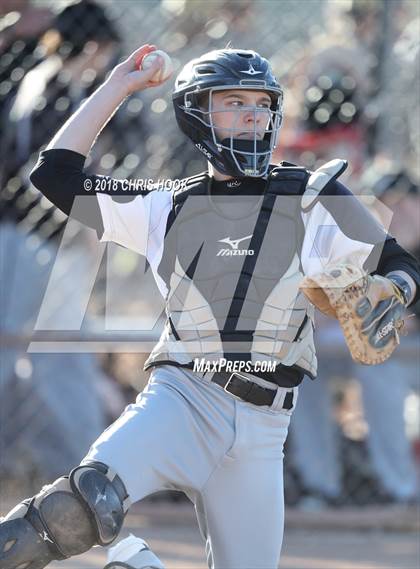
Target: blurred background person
[
  {"x": 78, "y": 48},
  {"x": 337, "y": 110},
  {"x": 390, "y": 473},
  {"x": 329, "y": 124},
  {"x": 58, "y": 60},
  {"x": 21, "y": 26}
]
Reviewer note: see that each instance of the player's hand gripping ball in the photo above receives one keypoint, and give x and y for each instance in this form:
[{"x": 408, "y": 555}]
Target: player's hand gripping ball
[{"x": 165, "y": 70}]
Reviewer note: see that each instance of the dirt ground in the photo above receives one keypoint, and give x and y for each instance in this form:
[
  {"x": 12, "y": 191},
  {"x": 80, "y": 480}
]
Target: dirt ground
[{"x": 172, "y": 534}]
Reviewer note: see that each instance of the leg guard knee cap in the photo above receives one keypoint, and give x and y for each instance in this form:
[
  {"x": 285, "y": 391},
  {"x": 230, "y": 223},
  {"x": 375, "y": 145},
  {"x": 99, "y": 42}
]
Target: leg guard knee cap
[
  {"x": 105, "y": 495},
  {"x": 66, "y": 518},
  {"x": 52, "y": 525}
]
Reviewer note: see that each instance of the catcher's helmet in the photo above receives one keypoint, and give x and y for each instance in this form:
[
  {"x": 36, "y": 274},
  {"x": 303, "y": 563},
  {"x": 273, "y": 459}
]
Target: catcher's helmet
[{"x": 218, "y": 71}]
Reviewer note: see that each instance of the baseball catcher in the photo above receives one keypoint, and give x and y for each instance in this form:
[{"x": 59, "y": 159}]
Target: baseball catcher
[{"x": 242, "y": 254}]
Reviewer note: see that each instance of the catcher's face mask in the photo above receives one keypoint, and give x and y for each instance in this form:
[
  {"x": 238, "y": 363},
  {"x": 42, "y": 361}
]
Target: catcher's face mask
[
  {"x": 236, "y": 136},
  {"x": 243, "y": 126}
]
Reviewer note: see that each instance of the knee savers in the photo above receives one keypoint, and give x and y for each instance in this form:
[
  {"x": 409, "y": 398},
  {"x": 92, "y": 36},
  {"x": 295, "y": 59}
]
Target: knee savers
[
  {"x": 132, "y": 553},
  {"x": 66, "y": 518}
]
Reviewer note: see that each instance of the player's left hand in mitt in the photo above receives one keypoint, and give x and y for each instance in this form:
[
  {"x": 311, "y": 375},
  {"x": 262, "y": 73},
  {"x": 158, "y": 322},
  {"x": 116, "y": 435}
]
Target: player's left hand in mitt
[{"x": 370, "y": 309}]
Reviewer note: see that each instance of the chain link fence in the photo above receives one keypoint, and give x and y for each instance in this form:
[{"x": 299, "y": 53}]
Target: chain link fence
[{"x": 350, "y": 70}]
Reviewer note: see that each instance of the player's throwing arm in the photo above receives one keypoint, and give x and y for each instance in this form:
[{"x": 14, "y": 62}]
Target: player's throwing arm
[
  {"x": 81, "y": 130},
  {"x": 87, "y": 507}
]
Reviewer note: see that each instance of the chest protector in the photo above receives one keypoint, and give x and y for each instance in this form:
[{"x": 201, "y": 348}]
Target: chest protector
[{"x": 232, "y": 267}]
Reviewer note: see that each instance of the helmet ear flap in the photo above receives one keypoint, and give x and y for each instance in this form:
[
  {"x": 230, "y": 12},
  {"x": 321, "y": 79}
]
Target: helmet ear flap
[
  {"x": 197, "y": 105},
  {"x": 203, "y": 101},
  {"x": 193, "y": 116}
]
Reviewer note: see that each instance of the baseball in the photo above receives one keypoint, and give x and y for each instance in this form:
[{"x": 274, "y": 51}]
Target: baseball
[{"x": 166, "y": 69}]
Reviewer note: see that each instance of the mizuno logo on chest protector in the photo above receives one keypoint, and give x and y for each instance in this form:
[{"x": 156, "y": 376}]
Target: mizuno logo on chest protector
[{"x": 234, "y": 244}]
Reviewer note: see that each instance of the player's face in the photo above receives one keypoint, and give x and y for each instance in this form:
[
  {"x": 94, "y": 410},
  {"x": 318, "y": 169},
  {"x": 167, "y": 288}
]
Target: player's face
[{"x": 240, "y": 113}]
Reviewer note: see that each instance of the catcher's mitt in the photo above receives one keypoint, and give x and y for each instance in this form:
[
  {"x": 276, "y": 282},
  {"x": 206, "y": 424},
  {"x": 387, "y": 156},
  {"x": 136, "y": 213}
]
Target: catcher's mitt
[{"x": 369, "y": 309}]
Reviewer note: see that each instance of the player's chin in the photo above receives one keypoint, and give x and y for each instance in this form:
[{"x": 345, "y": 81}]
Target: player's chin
[{"x": 250, "y": 136}]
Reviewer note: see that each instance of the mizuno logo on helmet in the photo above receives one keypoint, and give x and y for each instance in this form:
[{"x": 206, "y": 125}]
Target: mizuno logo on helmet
[
  {"x": 203, "y": 150},
  {"x": 234, "y": 243},
  {"x": 251, "y": 71}
]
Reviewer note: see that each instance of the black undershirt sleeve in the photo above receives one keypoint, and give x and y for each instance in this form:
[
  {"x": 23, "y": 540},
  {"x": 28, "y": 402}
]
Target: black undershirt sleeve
[
  {"x": 60, "y": 176},
  {"x": 356, "y": 222}
]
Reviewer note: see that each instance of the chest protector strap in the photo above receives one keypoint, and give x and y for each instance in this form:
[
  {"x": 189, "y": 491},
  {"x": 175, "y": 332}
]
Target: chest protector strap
[{"x": 282, "y": 181}]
